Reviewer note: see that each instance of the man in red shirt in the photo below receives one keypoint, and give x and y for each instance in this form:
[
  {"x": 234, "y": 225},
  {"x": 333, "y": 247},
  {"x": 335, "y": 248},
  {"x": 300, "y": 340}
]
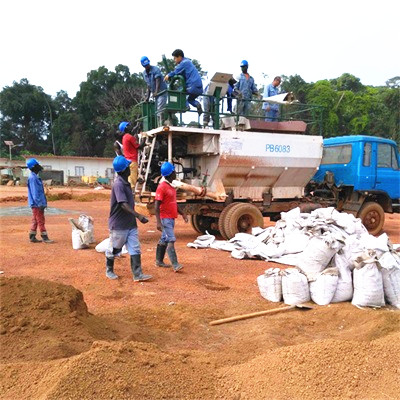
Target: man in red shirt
[
  {"x": 166, "y": 212},
  {"x": 130, "y": 148}
]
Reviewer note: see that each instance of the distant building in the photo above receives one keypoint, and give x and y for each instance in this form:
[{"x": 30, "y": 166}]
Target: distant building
[{"x": 74, "y": 167}]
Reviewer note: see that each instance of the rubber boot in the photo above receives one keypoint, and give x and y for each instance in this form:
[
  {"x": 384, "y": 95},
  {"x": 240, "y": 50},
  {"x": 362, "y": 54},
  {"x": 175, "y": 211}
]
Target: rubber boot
[
  {"x": 110, "y": 269},
  {"x": 32, "y": 237},
  {"x": 136, "y": 266},
  {"x": 46, "y": 238},
  {"x": 199, "y": 109},
  {"x": 160, "y": 254},
  {"x": 174, "y": 259}
]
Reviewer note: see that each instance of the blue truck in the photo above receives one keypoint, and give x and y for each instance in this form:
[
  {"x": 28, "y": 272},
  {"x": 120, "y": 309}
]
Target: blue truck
[{"x": 360, "y": 175}]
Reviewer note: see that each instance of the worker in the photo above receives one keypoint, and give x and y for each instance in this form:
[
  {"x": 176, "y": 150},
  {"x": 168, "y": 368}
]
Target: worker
[
  {"x": 245, "y": 88},
  {"x": 208, "y": 103},
  {"x": 155, "y": 84},
  {"x": 37, "y": 201},
  {"x": 166, "y": 212},
  {"x": 230, "y": 94},
  {"x": 122, "y": 223},
  {"x": 271, "y": 109},
  {"x": 130, "y": 148},
  {"x": 194, "y": 85}
]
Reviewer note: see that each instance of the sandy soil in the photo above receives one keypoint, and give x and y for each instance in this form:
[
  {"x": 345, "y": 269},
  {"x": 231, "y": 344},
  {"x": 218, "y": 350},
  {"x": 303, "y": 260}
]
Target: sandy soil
[{"x": 152, "y": 340}]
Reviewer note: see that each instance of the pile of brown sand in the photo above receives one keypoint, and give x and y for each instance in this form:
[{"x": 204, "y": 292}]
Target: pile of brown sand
[
  {"x": 42, "y": 320},
  {"x": 330, "y": 369},
  {"x": 125, "y": 370}
]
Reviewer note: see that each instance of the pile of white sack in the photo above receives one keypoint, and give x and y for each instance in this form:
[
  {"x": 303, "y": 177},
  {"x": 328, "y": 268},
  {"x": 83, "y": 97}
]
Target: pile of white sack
[{"x": 334, "y": 257}]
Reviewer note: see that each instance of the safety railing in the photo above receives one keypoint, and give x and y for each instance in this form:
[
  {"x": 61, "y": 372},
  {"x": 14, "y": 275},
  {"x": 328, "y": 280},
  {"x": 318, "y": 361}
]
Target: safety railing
[{"x": 170, "y": 107}]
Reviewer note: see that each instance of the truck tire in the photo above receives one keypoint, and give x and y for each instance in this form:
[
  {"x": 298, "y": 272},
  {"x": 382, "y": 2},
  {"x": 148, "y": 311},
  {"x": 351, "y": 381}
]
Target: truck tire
[
  {"x": 241, "y": 218},
  {"x": 193, "y": 223},
  {"x": 372, "y": 216},
  {"x": 221, "y": 220},
  {"x": 202, "y": 223}
]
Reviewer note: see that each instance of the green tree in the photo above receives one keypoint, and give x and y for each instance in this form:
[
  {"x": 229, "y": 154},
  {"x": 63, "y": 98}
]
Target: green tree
[{"x": 26, "y": 115}]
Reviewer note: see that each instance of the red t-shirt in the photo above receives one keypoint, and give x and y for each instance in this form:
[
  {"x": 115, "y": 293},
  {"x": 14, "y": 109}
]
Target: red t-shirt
[
  {"x": 130, "y": 147},
  {"x": 167, "y": 195}
]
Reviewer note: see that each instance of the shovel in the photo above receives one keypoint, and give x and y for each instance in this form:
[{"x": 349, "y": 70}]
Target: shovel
[{"x": 259, "y": 313}]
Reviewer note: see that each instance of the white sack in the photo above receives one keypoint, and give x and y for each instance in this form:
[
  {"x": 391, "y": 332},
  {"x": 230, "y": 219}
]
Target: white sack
[
  {"x": 391, "y": 278},
  {"x": 77, "y": 242},
  {"x": 324, "y": 287},
  {"x": 368, "y": 286},
  {"x": 270, "y": 285},
  {"x": 86, "y": 222},
  {"x": 295, "y": 288},
  {"x": 316, "y": 257},
  {"x": 103, "y": 246},
  {"x": 344, "y": 289}
]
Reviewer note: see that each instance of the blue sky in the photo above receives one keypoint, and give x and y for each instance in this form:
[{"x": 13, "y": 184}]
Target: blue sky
[{"x": 54, "y": 44}]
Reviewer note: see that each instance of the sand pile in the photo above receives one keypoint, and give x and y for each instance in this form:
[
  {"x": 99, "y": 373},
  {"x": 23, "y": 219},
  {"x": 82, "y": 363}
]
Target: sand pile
[
  {"x": 42, "y": 320},
  {"x": 332, "y": 369},
  {"x": 126, "y": 370}
]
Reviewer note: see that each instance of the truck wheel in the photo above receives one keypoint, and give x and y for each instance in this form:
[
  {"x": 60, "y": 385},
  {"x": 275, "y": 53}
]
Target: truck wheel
[
  {"x": 193, "y": 221},
  {"x": 241, "y": 218},
  {"x": 221, "y": 220},
  {"x": 202, "y": 223},
  {"x": 372, "y": 216}
]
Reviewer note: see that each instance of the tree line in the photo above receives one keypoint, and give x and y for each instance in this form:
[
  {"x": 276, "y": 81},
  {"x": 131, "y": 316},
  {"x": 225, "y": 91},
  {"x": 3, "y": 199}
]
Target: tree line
[{"x": 85, "y": 125}]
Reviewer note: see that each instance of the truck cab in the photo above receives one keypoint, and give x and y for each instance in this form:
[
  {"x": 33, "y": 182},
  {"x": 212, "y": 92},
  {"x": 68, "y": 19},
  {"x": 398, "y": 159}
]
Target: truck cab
[{"x": 363, "y": 172}]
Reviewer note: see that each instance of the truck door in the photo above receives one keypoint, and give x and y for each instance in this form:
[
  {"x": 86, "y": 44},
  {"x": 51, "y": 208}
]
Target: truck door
[{"x": 387, "y": 170}]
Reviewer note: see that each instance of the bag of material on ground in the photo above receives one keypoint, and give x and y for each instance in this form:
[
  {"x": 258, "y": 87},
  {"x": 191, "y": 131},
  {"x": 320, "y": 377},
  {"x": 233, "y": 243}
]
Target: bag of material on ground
[
  {"x": 87, "y": 224},
  {"x": 295, "y": 288},
  {"x": 344, "y": 289},
  {"x": 323, "y": 288},
  {"x": 105, "y": 244},
  {"x": 368, "y": 284},
  {"x": 270, "y": 284},
  {"x": 317, "y": 255},
  {"x": 390, "y": 263},
  {"x": 80, "y": 238}
]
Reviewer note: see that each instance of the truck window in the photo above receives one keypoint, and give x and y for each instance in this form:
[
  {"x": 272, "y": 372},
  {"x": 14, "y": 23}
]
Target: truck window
[
  {"x": 387, "y": 156},
  {"x": 337, "y": 154},
  {"x": 367, "y": 155}
]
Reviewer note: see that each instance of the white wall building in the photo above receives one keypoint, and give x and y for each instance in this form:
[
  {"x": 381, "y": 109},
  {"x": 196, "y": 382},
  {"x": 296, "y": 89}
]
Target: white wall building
[{"x": 73, "y": 166}]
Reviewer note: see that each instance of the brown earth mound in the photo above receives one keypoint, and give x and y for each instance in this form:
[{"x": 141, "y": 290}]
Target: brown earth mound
[
  {"x": 126, "y": 370},
  {"x": 330, "y": 369},
  {"x": 42, "y": 320}
]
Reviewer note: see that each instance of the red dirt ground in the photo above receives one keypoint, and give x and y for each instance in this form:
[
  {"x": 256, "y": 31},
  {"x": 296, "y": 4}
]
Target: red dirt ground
[{"x": 168, "y": 318}]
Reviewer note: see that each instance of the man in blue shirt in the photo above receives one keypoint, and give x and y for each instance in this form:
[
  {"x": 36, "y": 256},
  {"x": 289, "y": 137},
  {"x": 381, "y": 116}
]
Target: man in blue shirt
[
  {"x": 245, "y": 88},
  {"x": 194, "y": 85},
  {"x": 122, "y": 223},
  {"x": 155, "y": 84},
  {"x": 272, "y": 109},
  {"x": 37, "y": 201},
  {"x": 229, "y": 94}
]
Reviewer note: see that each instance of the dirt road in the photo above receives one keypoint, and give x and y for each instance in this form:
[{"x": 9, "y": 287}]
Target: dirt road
[{"x": 159, "y": 329}]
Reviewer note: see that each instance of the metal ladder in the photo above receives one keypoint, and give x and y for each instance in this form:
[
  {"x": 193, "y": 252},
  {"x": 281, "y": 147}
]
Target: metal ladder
[{"x": 145, "y": 161}]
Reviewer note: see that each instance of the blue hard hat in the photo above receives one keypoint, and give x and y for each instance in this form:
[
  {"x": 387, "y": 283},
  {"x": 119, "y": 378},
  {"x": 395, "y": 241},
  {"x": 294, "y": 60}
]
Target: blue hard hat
[
  {"x": 122, "y": 126},
  {"x": 167, "y": 168},
  {"x": 31, "y": 162},
  {"x": 120, "y": 163},
  {"x": 144, "y": 61},
  {"x": 244, "y": 63}
]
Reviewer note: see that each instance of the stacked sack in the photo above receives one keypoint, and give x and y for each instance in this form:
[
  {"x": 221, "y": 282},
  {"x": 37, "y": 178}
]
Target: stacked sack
[{"x": 368, "y": 275}]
